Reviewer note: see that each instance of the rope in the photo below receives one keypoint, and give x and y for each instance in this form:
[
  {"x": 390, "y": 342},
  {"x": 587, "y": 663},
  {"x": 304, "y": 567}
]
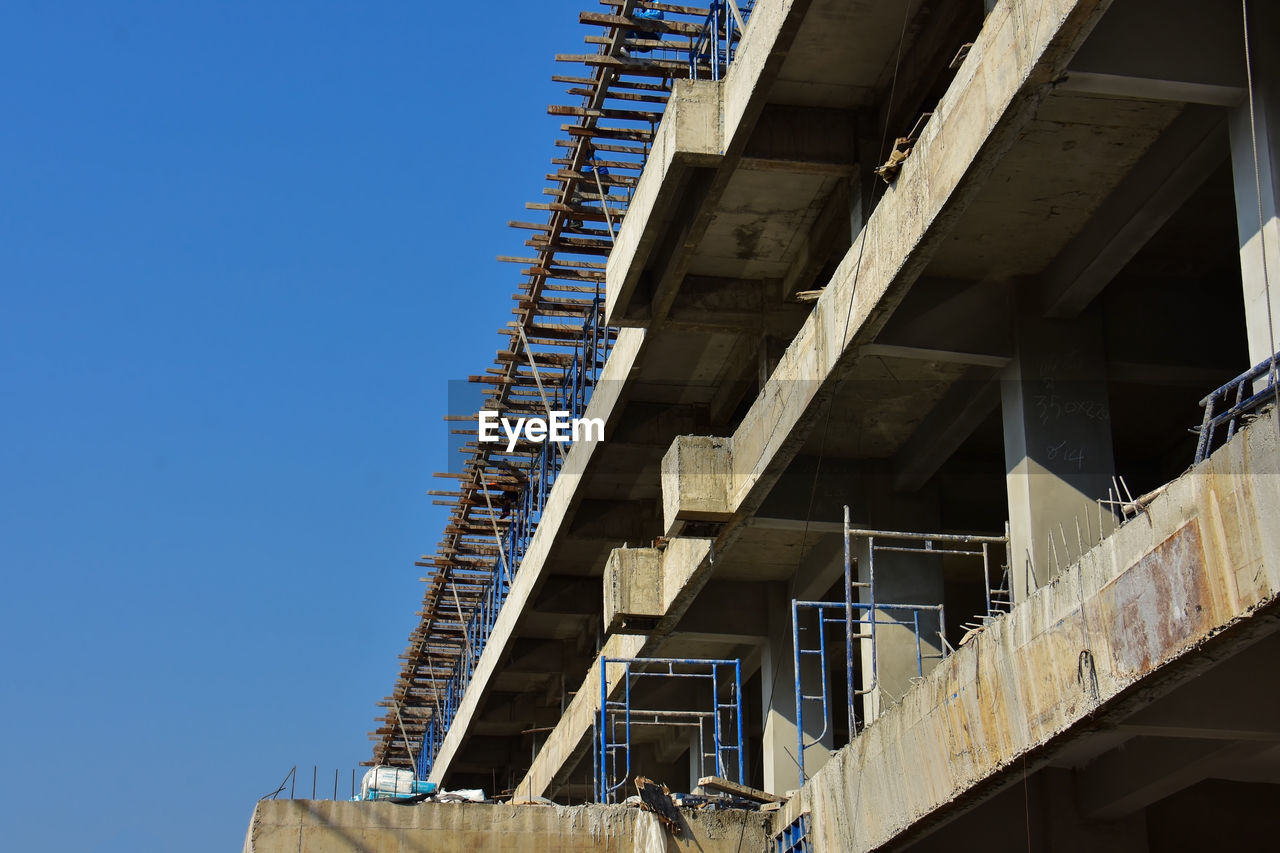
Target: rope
[
  {"x": 537, "y": 377},
  {"x": 412, "y": 763},
  {"x": 497, "y": 537},
  {"x": 604, "y": 201},
  {"x": 462, "y": 624}
]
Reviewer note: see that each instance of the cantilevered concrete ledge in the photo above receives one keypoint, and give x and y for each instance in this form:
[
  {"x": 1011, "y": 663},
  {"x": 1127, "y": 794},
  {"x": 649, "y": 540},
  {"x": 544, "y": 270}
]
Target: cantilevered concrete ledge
[
  {"x": 703, "y": 124},
  {"x": 314, "y": 826},
  {"x": 696, "y": 472},
  {"x": 688, "y": 137},
  {"x": 641, "y": 584},
  {"x": 1104, "y": 638}
]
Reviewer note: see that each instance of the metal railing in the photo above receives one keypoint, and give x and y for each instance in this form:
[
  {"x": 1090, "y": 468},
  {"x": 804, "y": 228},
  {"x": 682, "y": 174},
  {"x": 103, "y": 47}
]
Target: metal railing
[
  {"x": 319, "y": 784},
  {"x": 1242, "y": 405},
  {"x": 722, "y": 29},
  {"x": 612, "y": 732}
]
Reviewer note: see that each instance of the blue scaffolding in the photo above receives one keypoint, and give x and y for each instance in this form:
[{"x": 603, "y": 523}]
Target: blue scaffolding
[
  {"x": 717, "y": 724},
  {"x": 860, "y": 620},
  {"x": 572, "y": 393},
  {"x": 712, "y": 49}
]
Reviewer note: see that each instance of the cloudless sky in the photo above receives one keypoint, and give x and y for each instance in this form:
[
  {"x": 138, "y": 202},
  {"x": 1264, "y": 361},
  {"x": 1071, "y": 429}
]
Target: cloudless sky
[{"x": 243, "y": 248}]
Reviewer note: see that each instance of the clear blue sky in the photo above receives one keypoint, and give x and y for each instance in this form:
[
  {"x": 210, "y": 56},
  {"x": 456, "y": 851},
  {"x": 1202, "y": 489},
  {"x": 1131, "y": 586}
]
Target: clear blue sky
[{"x": 243, "y": 247}]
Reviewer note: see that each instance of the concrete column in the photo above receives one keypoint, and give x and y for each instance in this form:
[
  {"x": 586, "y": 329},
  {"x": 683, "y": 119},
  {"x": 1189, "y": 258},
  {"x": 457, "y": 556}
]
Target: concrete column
[
  {"x": 696, "y": 746},
  {"x": 777, "y": 683},
  {"x": 1057, "y": 446},
  {"x": 1259, "y": 244}
]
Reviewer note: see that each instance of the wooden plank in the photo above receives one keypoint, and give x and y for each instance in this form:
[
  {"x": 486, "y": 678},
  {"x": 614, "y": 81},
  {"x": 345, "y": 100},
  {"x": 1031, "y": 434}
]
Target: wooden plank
[
  {"x": 627, "y": 133},
  {"x": 608, "y": 164},
  {"x": 685, "y": 28},
  {"x": 621, "y": 96},
  {"x": 625, "y": 115},
  {"x": 601, "y": 249},
  {"x": 530, "y": 226},
  {"x": 590, "y": 265},
  {"x": 638, "y": 67},
  {"x": 724, "y": 786},
  {"x": 694, "y": 11},
  {"x": 616, "y": 84},
  {"x": 611, "y": 147},
  {"x": 640, "y": 44},
  {"x": 564, "y": 274},
  {"x": 607, "y": 180}
]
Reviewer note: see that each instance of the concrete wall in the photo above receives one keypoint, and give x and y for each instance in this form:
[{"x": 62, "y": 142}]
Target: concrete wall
[
  {"x": 316, "y": 826},
  {"x": 1202, "y": 561}
]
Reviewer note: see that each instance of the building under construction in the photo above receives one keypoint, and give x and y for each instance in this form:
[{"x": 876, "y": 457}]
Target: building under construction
[{"x": 938, "y": 499}]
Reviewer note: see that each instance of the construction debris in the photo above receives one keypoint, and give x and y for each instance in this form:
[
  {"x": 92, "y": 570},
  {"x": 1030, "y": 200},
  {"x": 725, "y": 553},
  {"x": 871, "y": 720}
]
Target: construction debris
[
  {"x": 902, "y": 147},
  {"x": 656, "y": 798}
]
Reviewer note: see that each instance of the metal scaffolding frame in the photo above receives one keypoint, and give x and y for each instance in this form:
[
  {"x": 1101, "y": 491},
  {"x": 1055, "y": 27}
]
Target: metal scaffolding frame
[
  {"x": 613, "y": 727},
  {"x": 860, "y": 620}
]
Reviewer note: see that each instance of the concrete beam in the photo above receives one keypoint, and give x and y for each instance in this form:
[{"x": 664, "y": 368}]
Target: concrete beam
[
  {"x": 951, "y": 315},
  {"x": 1157, "y": 186},
  {"x": 616, "y": 521},
  {"x": 975, "y": 359},
  {"x": 568, "y": 595},
  {"x": 804, "y": 140},
  {"x": 1179, "y": 50},
  {"x": 1148, "y": 89},
  {"x": 1146, "y": 770},
  {"x": 826, "y": 242},
  {"x": 633, "y": 599},
  {"x": 741, "y": 305},
  {"x": 960, "y": 411},
  {"x": 796, "y": 525}
]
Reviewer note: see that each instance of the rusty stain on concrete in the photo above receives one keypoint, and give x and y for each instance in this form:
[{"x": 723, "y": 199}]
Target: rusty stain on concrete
[{"x": 1161, "y": 601}]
